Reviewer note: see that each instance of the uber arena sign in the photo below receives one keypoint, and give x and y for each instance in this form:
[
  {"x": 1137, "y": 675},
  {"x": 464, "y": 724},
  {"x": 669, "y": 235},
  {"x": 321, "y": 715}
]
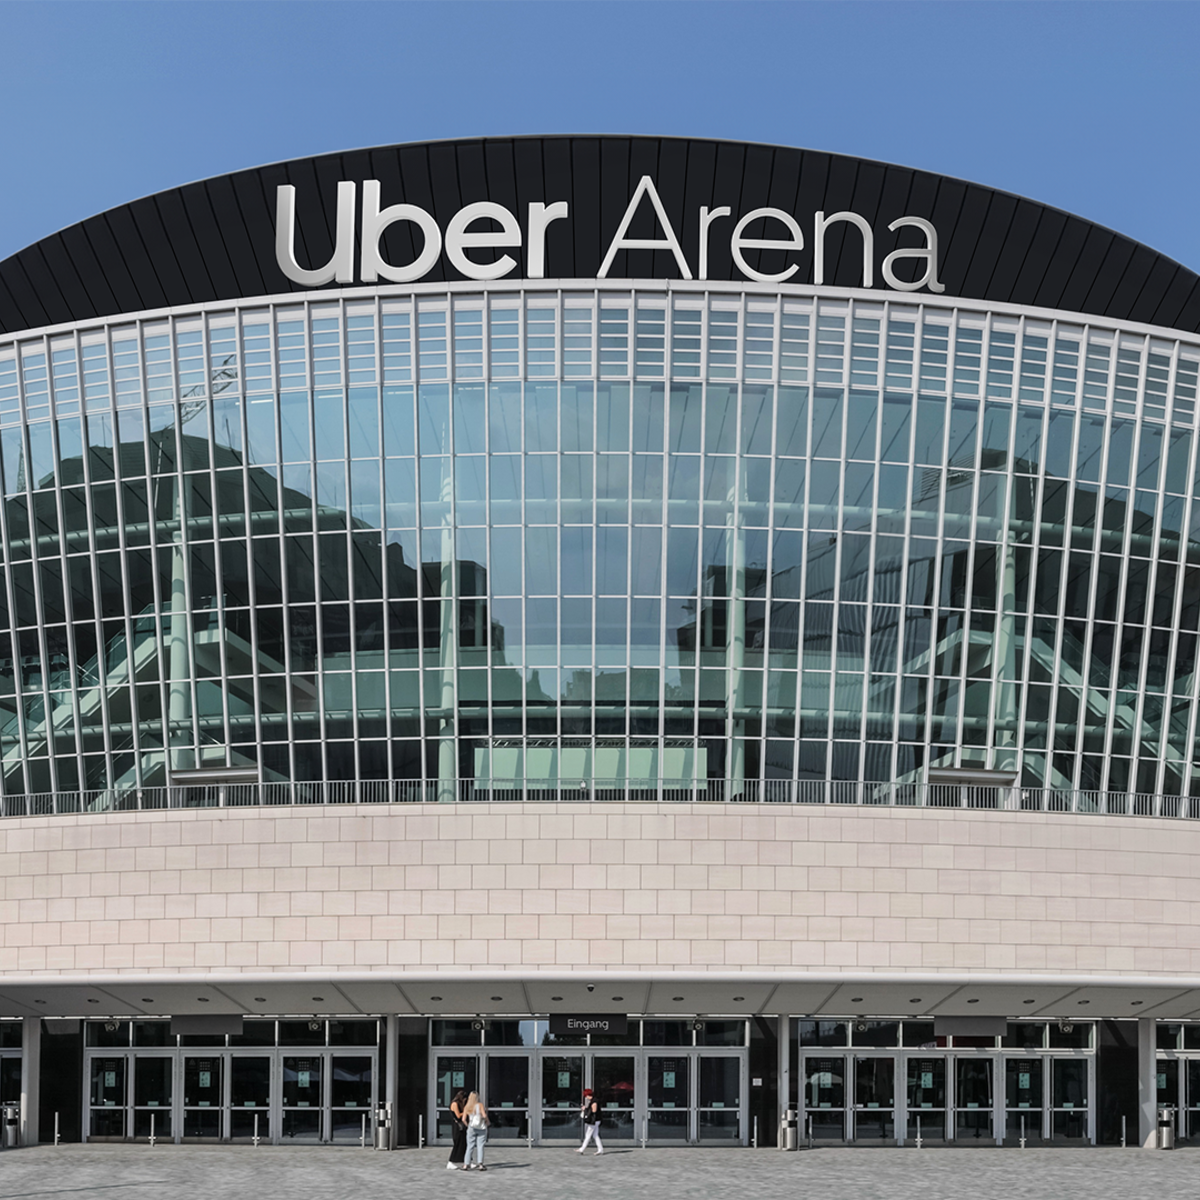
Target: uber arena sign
[{"x": 460, "y": 237}]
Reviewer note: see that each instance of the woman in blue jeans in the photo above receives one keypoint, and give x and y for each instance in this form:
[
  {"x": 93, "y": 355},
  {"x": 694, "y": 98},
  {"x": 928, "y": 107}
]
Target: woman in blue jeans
[{"x": 477, "y": 1130}]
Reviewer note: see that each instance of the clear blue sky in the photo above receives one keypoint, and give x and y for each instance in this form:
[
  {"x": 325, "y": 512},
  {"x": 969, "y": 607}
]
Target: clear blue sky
[{"x": 1091, "y": 107}]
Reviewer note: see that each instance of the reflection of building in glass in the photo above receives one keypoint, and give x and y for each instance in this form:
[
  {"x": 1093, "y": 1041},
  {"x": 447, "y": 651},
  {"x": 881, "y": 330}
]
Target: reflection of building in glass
[{"x": 684, "y": 585}]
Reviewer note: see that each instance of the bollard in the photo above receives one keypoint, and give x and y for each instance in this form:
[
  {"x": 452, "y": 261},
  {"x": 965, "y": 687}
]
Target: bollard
[
  {"x": 645, "y": 1130},
  {"x": 152, "y": 1139},
  {"x": 256, "y": 1139},
  {"x": 918, "y": 1131},
  {"x": 1022, "y": 1131},
  {"x": 810, "y": 1131},
  {"x": 1122, "y": 1133},
  {"x": 56, "y": 1137},
  {"x": 754, "y": 1141},
  {"x": 420, "y": 1131}
]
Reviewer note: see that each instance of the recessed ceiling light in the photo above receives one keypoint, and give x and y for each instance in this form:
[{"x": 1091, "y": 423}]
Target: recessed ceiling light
[
  {"x": 739, "y": 999},
  {"x": 1083, "y": 1002},
  {"x": 147, "y": 1000},
  {"x": 676, "y": 999},
  {"x": 915, "y": 1000},
  {"x": 618, "y": 998},
  {"x": 202, "y": 999},
  {"x": 260, "y": 999},
  {"x": 973, "y": 1000},
  {"x": 1028, "y": 1001},
  {"x": 497, "y": 998},
  {"x": 855, "y": 999},
  {"x": 435, "y": 997},
  {"x": 93, "y": 1001},
  {"x": 555, "y": 997},
  {"x": 319, "y": 999},
  {"x": 39, "y": 1002},
  {"x": 1135, "y": 1003}
]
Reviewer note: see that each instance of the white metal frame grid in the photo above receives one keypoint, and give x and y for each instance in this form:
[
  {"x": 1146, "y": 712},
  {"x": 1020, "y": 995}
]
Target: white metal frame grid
[{"x": 854, "y": 341}]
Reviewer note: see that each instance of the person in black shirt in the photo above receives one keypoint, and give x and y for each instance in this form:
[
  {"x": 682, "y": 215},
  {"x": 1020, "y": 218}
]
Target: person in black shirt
[{"x": 590, "y": 1114}]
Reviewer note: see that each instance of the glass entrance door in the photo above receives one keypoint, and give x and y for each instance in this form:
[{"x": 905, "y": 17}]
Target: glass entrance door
[
  {"x": 874, "y": 1098},
  {"x": 1023, "y": 1099},
  {"x": 825, "y": 1098},
  {"x": 202, "y": 1097},
  {"x": 926, "y": 1095},
  {"x": 302, "y": 1098},
  {"x": 562, "y": 1097},
  {"x": 507, "y": 1097},
  {"x": 152, "y": 1078},
  {"x": 1192, "y": 1099},
  {"x": 107, "y": 1097},
  {"x": 249, "y": 1097},
  {"x": 1069, "y": 1099},
  {"x": 720, "y": 1100},
  {"x": 614, "y": 1081},
  {"x": 668, "y": 1098},
  {"x": 351, "y": 1096},
  {"x": 972, "y": 1099},
  {"x": 453, "y": 1073}
]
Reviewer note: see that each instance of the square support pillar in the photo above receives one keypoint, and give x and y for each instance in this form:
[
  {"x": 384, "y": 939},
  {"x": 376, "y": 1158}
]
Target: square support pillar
[
  {"x": 1147, "y": 1083},
  {"x": 392, "y": 1082},
  {"x": 31, "y": 1079},
  {"x": 785, "y": 1076}
]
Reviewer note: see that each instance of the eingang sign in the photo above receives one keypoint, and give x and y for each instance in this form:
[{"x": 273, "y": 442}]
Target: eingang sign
[
  {"x": 575, "y": 1025},
  {"x": 489, "y": 226}
]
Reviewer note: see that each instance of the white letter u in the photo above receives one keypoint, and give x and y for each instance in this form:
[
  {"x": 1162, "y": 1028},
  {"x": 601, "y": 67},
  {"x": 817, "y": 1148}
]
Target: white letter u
[{"x": 341, "y": 266}]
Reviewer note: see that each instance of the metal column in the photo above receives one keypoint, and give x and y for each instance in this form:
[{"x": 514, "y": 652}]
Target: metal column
[
  {"x": 1147, "y": 1083},
  {"x": 31, "y": 1080}
]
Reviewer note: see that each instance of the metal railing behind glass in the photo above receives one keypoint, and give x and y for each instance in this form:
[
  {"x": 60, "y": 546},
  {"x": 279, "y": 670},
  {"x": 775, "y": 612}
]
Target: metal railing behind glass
[{"x": 685, "y": 791}]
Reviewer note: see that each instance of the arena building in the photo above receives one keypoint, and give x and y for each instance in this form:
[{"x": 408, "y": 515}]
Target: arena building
[{"x": 713, "y": 623}]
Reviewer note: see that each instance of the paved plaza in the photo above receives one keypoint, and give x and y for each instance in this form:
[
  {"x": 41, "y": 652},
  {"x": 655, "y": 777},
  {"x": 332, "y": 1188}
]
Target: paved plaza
[{"x": 292, "y": 1173}]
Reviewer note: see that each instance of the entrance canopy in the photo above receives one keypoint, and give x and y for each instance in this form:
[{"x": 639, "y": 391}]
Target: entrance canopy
[{"x": 1078, "y": 997}]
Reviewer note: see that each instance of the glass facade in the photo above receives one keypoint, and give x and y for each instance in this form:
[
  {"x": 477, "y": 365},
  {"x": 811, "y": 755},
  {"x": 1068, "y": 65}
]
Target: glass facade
[{"x": 701, "y": 541}]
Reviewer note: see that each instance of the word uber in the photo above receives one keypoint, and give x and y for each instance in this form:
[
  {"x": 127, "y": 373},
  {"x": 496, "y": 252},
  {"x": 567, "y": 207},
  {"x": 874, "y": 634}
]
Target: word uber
[{"x": 460, "y": 237}]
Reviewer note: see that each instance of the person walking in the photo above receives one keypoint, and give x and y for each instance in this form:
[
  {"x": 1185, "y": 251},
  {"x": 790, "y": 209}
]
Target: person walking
[
  {"x": 590, "y": 1112},
  {"x": 477, "y": 1131},
  {"x": 458, "y": 1133}
]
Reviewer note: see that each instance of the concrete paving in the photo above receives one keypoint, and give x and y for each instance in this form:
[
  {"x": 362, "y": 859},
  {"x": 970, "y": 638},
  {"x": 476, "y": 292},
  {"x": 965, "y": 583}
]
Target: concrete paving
[{"x": 120, "y": 1172}]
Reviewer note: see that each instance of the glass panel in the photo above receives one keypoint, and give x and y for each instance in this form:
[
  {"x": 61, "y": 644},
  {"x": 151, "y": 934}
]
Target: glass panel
[
  {"x": 562, "y": 1082},
  {"x": 1069, "y": 1097},
  {"x": 667, "y": 1095},
  {"x": 454, "y": 1074},
  {"x": 1167, "y": 1091},
  {"x": 302, "y": 1082},
  {"x": 825, "y": 1097},
  {"x": 926, "y": 1098},
  {"x": 108, "y": 1082},
  {"x": 352, "y": 1082},
  {"x": 10, "y": 1080},
  {"x": 613, "y": 1081},
  {"x": 874, "y": 1097},
  {"x": 973, "y": 1099},
  {"x": 823, "y": 1033},
  {"x": 202, "y": 1097},
  {"x": 302, "y": 1125},
  {"x": 249, "y": 1096},
  {"x": 720, "y": 1099},
  {"x": 152, "y": 1082},
  {"x": 507, "y": 1097},
  {"x": 152, "y": 1122}
]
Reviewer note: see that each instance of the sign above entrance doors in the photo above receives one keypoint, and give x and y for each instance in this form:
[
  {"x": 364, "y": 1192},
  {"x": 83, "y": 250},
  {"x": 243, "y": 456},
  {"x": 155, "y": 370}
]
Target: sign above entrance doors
[{"x": 564, "y": 1024}]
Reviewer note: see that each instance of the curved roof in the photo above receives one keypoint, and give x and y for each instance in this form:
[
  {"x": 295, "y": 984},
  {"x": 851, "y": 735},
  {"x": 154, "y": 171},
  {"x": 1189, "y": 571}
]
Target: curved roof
[{"x": 215, "y": 240}]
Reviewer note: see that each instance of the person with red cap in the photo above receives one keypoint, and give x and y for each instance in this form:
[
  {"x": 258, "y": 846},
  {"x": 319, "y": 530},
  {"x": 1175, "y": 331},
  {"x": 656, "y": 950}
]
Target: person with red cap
[{"x": 590, "y": 1114}]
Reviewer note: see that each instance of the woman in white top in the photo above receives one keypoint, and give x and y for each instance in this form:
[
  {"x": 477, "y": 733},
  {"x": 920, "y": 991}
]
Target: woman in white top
[{"x": 477, "y": 1128}]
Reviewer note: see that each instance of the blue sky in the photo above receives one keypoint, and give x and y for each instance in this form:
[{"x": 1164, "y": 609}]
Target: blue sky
[{"x": 1091, "y": 107}]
